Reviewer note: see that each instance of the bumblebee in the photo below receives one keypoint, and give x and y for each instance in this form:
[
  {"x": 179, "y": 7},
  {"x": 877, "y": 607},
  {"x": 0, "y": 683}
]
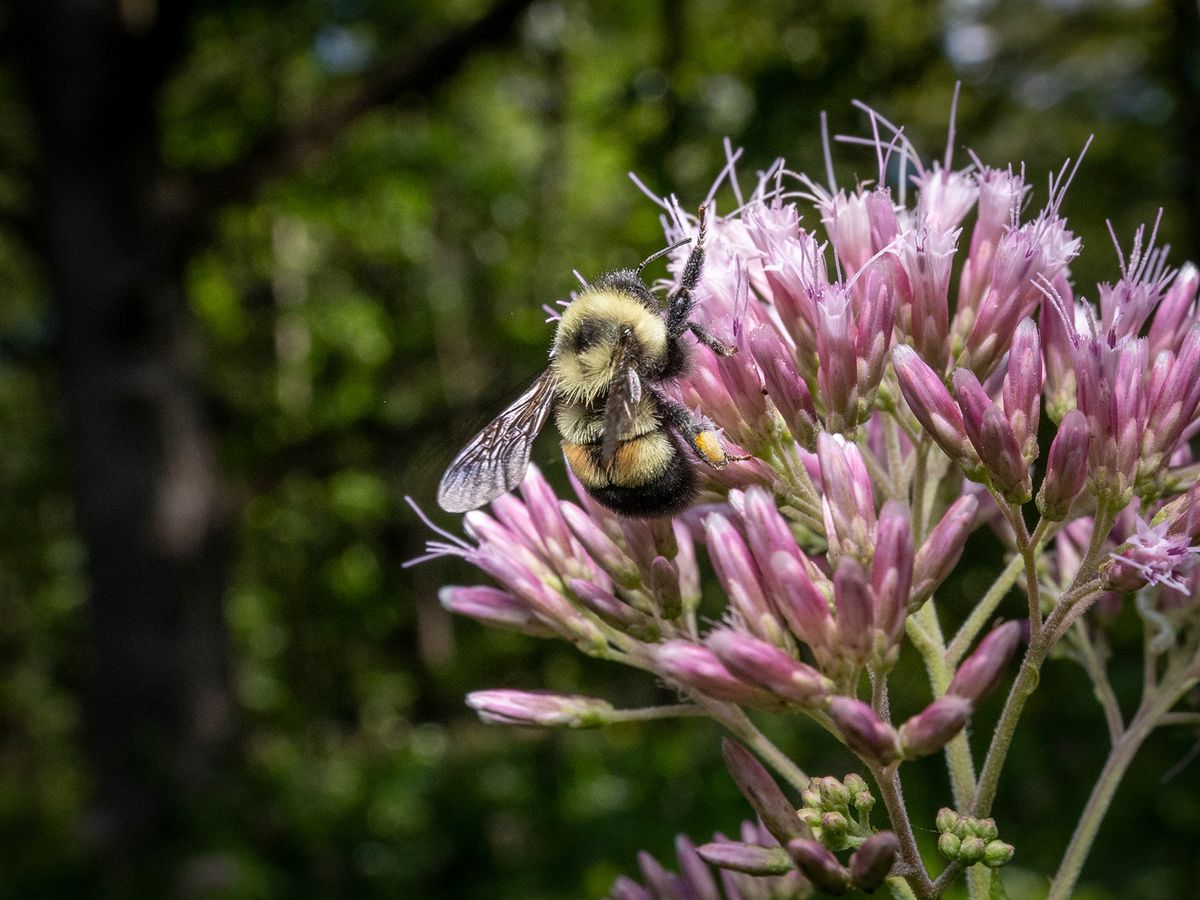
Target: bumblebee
[{"x": 631, "y": 446}]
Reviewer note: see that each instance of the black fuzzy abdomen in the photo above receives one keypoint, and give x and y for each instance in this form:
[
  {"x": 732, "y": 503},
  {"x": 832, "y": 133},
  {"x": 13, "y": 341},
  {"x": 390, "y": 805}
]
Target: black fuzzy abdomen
[{"x": 669, "y": 492}]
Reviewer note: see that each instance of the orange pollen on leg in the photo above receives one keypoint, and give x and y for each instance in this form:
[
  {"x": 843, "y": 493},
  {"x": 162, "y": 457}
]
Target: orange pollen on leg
[{"x": 710, "y": 448}]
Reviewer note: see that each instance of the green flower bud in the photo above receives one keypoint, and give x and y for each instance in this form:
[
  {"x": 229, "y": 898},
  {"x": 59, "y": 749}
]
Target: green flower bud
[
  {"x": 997, "y": 853},
  {"x": 986, "y": 829},
  {"x": 810, "y": 817},
  {"x": 836, "y": 794},
  {"x": 833, "y": 830},
  {"x": 810, "y": 796},
  {"x": 854, "y": 783},
  {"x": 946, "y": 819},
  {"x": 948, "y": 845},
  {"x": 864, "y": 801},
  {"x": 971, "y": 850}
]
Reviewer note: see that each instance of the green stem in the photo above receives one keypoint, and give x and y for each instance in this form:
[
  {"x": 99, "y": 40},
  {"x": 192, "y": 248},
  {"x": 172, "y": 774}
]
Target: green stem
[
  {"x": 983, "y": 611},
  {"x": 1026, "y": 681},
  {"x": 658, "y": 712},
  {"x": 888, "y": 780},
  {"x": 1154, "y": 711},
  {"x": 739, "y": 724}
]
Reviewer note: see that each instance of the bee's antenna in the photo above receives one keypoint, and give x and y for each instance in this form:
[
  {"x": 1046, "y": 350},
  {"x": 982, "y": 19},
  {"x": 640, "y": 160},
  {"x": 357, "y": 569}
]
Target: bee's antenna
[{"x": 661, "y": 253}]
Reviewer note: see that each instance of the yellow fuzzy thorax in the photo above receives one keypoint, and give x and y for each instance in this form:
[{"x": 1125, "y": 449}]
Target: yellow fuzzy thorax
[{"x": 587, "y": 375}]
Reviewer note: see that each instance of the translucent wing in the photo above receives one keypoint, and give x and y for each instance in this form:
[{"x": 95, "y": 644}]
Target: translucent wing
[
  {"x": 495, "y": 460},
  {"x": 624, "y": 396}
]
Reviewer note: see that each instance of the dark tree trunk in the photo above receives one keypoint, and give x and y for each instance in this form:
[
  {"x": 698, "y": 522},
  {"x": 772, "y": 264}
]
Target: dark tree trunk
[{"x": 148, "y": 493}]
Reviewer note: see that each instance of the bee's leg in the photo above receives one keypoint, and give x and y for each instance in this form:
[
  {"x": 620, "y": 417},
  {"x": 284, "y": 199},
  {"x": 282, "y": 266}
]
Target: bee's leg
[
  {"x": 709, "y": 340},
  {"x": 682, "y": 299},
  {"x": 698, "y": 432}
]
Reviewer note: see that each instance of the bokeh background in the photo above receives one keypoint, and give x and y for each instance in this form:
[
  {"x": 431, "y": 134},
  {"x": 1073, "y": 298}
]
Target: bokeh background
[{"x": 265, "y": 265}]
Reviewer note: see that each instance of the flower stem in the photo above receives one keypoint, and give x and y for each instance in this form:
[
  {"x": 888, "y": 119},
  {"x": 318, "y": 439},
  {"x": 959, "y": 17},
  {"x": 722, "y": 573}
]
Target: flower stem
[
  {"x": 888, "y": 780},
  {"x": 1119, "y": 758},
  {"x": 1027, "y": 679},
  {"x": 983, "y": 611},
  {"x": 658, "y": 712},
  {"x": 740, "y": 725}
]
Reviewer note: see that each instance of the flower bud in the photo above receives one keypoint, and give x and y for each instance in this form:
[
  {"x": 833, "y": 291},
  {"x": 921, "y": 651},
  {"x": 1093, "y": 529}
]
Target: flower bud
[
  {"x": 986, "y": 829},
  {"x": 1066, "y": 467},
  {"x": 664, "y": 582},
  {"x": 697, "y": 667},
  {"x": 749, "y": 858},
  {"x": 661, "y": 882},
  {"x": 891, "y": 570},
  {"x": 544, "y": 709},
  {"x": 784, "y": 385},
  {"x": 863, "y": 731},
  {"x": 855, "y": 784},
  {"x": 981, "y": 670},
  {"x": 933, "y": 406},
  {"x": 930, "y": 730},
  {"x": 1023, "y": 387},
  {"x": 997, "y": 853},
  {"x": 693, "y": 871},
  {"x": 494, "y": 607},
  {"x": 946, "y": 819},
  {"x": 740, "y": 578},
  {"x": 760, "y": 789},
  {"x": 834, "y": 794},
  {"x": 616, "y": 613},
  {"x": 948, "y": 845},
  {"x": 970, "y": 850},
  {"x": 833, "y": 830},
  {"x": 992, "y": 437},
  {"x": 819, "y": 866},
  {"x": 871, "y": 863},
  {"x": 940, "y": 553},
  {"x": 849, "y": 497},
  {"x": 855, "y": 614},
  {"x": 766, "y": 665},
  {"x": 600, "y": 546}
]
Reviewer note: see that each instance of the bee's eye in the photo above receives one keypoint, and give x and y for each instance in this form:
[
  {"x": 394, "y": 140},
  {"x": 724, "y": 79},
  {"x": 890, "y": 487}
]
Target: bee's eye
[{"x": 588, "y": 335}]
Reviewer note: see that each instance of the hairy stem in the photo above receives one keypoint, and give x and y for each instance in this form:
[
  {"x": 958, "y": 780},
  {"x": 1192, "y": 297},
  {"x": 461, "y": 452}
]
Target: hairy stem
[
  {"x": 888, "y": 780},
  {"x": 983, "y": 611},
  {"x": 739, "y": 725},
  {"x": 1026, "y": 680}
]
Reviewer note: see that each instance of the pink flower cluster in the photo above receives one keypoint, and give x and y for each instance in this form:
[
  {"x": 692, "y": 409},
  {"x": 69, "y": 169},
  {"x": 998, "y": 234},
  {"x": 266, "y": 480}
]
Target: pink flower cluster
[{"x": 857, "y": 370}]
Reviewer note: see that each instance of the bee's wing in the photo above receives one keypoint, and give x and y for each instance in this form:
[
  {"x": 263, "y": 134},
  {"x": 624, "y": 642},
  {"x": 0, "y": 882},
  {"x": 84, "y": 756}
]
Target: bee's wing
[
  {"x": 495, "y": 460},
  {"x": 624, "y": 396}
]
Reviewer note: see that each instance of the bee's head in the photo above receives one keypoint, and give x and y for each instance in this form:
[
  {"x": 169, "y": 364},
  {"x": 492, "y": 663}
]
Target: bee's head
[{"x": 600, "y": 331}]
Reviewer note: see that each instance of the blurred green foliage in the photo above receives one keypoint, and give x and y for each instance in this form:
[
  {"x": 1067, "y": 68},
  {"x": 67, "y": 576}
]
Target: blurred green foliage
[{"x": 360, "y": 320}]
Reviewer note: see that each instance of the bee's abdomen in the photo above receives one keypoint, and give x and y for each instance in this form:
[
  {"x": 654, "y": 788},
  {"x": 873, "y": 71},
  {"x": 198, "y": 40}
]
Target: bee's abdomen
[{"x": 649, "y": 476}]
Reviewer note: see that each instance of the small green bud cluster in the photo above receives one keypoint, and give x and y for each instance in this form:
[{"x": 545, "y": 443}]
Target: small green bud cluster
[
  {"x": 827, "y": 810},
  {"x": 971, "y": 840}
]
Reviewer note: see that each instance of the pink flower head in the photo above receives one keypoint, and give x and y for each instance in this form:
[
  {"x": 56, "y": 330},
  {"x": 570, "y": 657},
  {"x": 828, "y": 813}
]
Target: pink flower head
[{"x": 1152, "y": 556}]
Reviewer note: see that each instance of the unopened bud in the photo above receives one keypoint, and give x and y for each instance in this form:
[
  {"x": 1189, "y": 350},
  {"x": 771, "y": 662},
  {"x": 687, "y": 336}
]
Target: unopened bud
[
  {"x": 941, "y": 551},
  {"x": 986, "y": 829},
  {"x": 981, "y": 670},
  {"x": 699, "y": 668},
  {"x": 833, "y": 830},
  {"x": 546, "y": 710},
  {"x": 948, "y": 845},
  {"x": 834, "y": 794},
  {"x": 664, "y": 581},
  {"x": 863, "y": 731},
  {"x": 749, "y": 858},
  {"x": 930, "y": 730},
  {"x": 1066, "y": 467},
  {"x": 494, "y": 607},
  {"x": 997, "y": 853},
  {"x": 871, "y": 863},
  {"x": 971, "y": 850},
  {"x": 946, "y": 819},
  {"x": 615, "y": 612},
  {"x": 761, "y": 791},
  {"x": 855, "y": 611},
  {"x": 933, "y": 406},
  {"x": 768, "y": 666},
  {"x": 819, "y": 866}
]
